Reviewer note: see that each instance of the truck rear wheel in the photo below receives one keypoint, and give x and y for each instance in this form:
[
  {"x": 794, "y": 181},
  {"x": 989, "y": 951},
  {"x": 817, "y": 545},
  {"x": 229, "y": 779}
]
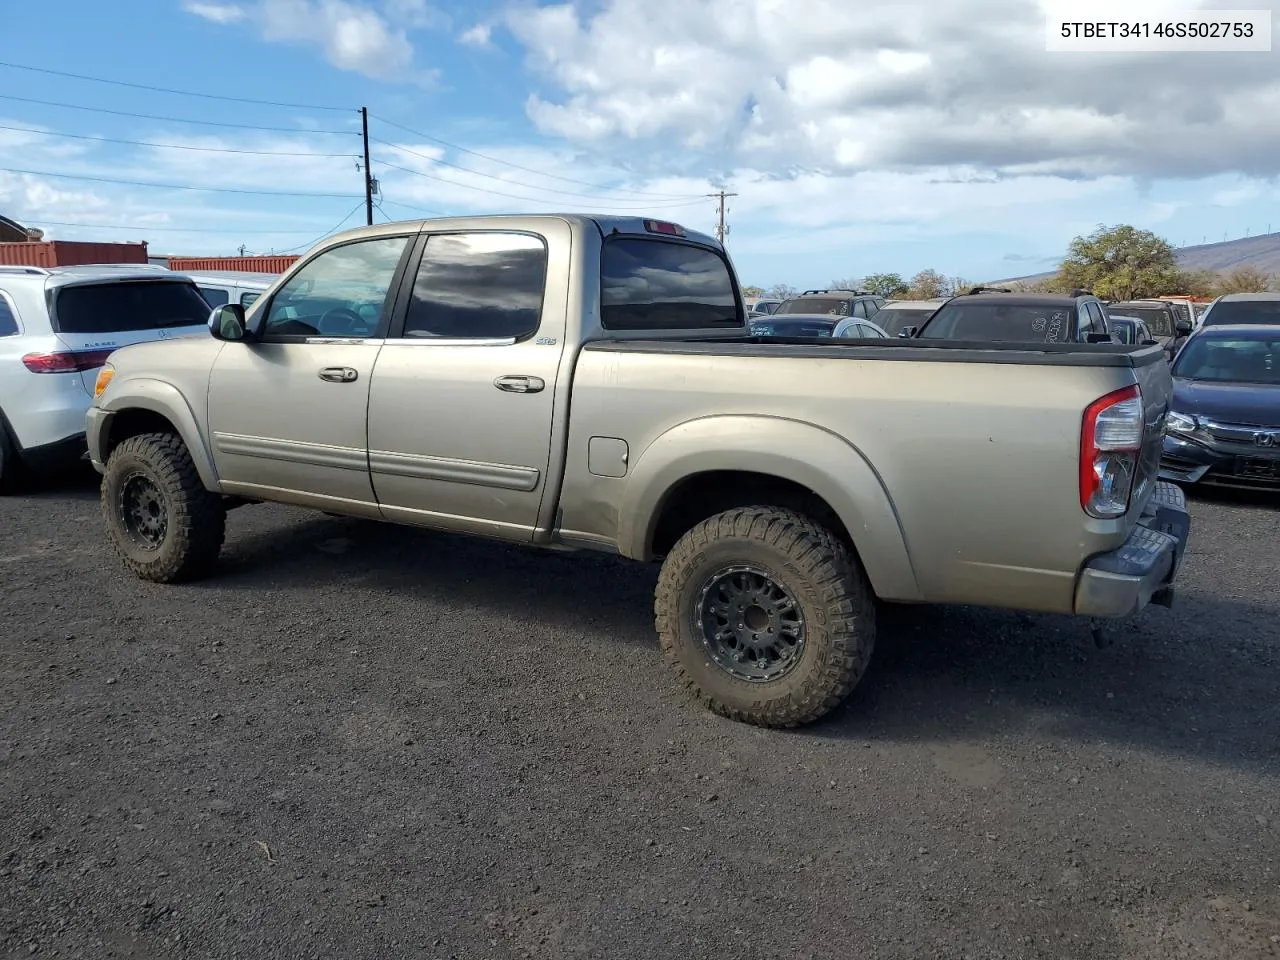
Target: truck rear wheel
[
  {"x": 162, "y": 521},
  {"x": 766, "y": 616}
]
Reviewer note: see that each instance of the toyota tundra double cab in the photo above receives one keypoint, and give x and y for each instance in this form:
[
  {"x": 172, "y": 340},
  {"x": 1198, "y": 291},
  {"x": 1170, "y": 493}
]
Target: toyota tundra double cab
[{"x": 590, "y": 383}]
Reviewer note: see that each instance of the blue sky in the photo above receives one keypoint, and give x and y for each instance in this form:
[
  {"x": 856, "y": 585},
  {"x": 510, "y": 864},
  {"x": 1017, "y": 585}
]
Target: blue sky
[{"x": 859, "y": 140}]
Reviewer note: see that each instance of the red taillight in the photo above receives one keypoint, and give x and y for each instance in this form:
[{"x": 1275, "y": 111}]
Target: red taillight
[
  {"x": 661, "y": 226},
  {"x": 1110, "y": 447},
  {"x": 67, "y": 362}
]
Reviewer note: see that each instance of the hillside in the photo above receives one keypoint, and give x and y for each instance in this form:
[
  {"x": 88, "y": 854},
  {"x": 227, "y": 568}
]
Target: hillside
[{"x": 1262, "y": 252}]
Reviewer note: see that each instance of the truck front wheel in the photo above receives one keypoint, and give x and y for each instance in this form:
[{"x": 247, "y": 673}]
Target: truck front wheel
[
  {"x": 766, "y": 616},
  {"x": 162, "y": 521}
]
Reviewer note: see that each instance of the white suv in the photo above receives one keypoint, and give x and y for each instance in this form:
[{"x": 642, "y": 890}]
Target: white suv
[{"x": 57, "y": 328}]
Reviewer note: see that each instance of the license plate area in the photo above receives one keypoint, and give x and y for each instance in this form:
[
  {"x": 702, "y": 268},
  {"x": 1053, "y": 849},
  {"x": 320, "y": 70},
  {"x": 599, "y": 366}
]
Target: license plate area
[{"x": 1258, "y": 468}]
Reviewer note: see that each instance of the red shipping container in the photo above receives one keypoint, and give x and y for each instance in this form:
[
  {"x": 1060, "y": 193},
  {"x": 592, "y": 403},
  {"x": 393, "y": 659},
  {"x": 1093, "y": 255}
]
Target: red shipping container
[
  {"x": 69, "y": 253},
  {"x": 263, "y": 264}
]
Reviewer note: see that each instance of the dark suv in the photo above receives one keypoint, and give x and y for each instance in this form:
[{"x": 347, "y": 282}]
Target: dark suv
[
  {"x": 988, "y": 313},
  {"x": 1165, "y": 321},
  {"x": 839, "y": 303}
]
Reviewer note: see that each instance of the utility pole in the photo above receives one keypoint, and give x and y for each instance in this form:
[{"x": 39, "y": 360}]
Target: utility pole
[
  {"x": 721, "y": 230},
  {"x": 243, "y": 248},
  {"x": 368, "y": 174}
]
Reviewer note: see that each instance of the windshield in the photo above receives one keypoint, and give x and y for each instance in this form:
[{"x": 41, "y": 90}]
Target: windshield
[
  {"x": 123, "y": 306},
  {"x": 1021, "y": 323},
  {"x": 1237, "y": 360},
  {"x": 892, "y": 319},
  {"x": 1158, "y": 319},
  {"x": 833, "y": 305},
  {"x": 1244, "y": 311}
]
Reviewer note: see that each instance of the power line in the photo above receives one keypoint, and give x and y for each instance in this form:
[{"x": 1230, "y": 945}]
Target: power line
[
  {"x": 181, "y": 93},
  {"x": 512, "y": 196},
  {"x": 410, "y": 206},
  {"x": 491, "y": 176},
  {"x": 175, "y": 186},
  {"x": 311, "y": 243},
  {"x": 174, "y": 146},
  {"x": 516, "y": 166},
  {"x": 152, "y": 116},
  {"x": 126, "y": 226}
]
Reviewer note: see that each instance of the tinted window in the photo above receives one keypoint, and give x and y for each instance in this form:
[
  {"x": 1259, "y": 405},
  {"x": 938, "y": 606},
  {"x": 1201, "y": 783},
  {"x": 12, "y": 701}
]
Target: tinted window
[
  {"x": 1235, "y": 360},
  {"x": 1244, "y": 311},
  {"x": 658, "y": 285},
  {"x": 341, "y": 293},
  {"x": 1124, "y": 329},
  {"x": 8, "y": 322},
  {"x": 775, "y": 327},
  {"x": 247, "y": 298},
  {"x": 1020, "y": 323},
  {"x": 832, "y": 305},
  {"x": 1092, "y": 320},
  {"x": 213, "y": 296},
  {"x": 1158, "y": 319},
  {"x": 478, "y": 285},
  {"x": 128, "y": 305},
  {"x": 892, "y": 319}
]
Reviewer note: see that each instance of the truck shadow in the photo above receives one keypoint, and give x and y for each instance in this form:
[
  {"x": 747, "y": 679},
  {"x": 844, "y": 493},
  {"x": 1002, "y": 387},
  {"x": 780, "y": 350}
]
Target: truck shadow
[{"x": 1198, "y": 680}]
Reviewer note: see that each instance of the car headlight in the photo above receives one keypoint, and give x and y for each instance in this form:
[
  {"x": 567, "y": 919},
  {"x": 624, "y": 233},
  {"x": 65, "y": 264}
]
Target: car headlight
[
  {"x": 1182, "y": 423},
  {"x": 104, "y": 378}
]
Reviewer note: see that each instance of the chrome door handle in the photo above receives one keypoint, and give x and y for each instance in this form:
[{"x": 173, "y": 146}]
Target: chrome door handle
[
  {"x": 338, "y": 374},
  {"x": 515, "y": 384}
]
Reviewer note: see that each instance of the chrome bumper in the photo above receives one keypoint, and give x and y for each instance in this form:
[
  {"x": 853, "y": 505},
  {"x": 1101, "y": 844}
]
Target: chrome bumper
[{"x": 1123, "y": 581}]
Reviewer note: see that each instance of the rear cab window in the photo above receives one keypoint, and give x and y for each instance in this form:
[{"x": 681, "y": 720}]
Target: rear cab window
[
  {"x": 126, "y": 305},
  {"x": 1019, "y": 323},
  {"x": 650, "y": 284}
]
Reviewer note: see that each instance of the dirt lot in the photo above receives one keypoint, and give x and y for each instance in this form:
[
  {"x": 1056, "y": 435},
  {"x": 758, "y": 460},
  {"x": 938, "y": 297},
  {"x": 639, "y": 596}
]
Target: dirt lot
[{"x": 360, "y": 741}]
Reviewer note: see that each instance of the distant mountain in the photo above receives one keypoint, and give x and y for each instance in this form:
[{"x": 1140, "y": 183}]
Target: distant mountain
[{"x": 1262, "y": 252}]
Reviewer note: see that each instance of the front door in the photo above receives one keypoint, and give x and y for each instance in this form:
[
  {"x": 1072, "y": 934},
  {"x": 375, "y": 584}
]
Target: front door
[
  {"x": 288, "y": 410},
  {"x": 461, "y": 407}
]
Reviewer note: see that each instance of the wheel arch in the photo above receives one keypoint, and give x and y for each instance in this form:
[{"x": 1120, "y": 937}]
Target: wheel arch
[
  {"x": 701, "y": 467},
  {"x": 140, "y": 406}
]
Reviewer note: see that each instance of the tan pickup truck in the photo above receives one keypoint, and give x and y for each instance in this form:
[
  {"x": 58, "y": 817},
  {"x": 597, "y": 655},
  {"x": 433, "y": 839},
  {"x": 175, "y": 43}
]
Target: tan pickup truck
[{"x": 588, "y": 382}]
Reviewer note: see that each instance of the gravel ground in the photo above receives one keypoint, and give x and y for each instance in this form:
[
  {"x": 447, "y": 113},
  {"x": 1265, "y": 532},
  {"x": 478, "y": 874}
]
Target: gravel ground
[{"x": 363, "y": 741}]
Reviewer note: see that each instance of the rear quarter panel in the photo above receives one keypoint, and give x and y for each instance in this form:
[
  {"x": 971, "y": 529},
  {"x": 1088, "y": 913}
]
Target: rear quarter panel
[{"x": 971, "y": 468}]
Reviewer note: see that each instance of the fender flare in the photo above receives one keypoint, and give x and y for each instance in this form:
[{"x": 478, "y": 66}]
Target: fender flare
[
  {"x": 159, "y": 397},
  {"x": 793, "y": 450}
]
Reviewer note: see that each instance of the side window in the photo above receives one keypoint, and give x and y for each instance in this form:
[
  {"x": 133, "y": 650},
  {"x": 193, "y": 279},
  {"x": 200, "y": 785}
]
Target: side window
[
  {"x": 1162, "y": 324},
  {"x": 860, "y": 308},
  {"x": 8, "y": 322},
  {"x": 215, "y": 296},
  {"x": 664, "y": 285},
  {"x": 246, "y": 299},
  {"x": 1090, "y": 319},
  {"x": 478, "y": 286},
  {"x": 874, "y": 306},
  {"x": 341, "y": 293}
]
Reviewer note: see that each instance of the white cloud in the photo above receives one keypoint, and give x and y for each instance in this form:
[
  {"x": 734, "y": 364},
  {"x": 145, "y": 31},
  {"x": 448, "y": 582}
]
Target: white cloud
[
  {"x": 789, "y": 84},
  {"x": 480, "y": 35},
  {"x": 217, "y": 12}
]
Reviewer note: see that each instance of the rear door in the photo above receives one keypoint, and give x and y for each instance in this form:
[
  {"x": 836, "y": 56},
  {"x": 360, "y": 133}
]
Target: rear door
[
  {"x": 461, "y": 406},
  {"x": 93, "y": 318}
]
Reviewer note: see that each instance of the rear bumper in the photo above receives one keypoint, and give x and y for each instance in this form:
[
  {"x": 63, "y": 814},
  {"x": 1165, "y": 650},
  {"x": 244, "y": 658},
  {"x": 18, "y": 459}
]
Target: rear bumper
[{"x": 1142, "y": 570}]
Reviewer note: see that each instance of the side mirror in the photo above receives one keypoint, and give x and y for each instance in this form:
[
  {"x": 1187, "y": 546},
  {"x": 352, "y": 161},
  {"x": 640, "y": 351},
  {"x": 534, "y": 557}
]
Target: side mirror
[
  {"x": 227, "y": 322},
  {"x": 1182, "y": 327},
  {"x": 906, "y": 333}
]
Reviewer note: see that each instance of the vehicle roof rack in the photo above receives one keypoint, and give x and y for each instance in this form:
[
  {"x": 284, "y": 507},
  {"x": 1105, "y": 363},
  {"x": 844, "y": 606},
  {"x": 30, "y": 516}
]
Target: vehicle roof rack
[
  {"x": 856, "y": 293},
  {"x": 22, "y": 268},
  {"x": 976, "y": 290}
]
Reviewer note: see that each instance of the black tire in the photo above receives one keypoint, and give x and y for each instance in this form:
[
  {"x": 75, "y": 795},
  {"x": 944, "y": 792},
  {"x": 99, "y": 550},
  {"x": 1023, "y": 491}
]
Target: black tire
[
  {"x": 822, "y": 581},
  {"x": 179, "y": 534},
  {"x": 13, "y": 472}
]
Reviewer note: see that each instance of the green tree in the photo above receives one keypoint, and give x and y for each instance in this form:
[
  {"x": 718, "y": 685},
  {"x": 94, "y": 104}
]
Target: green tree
[
  {"x": 1246, "y": 279},
  {"x": 781, "y": 291},
  {"x": 885, "y": 284},
  {"x": 753, "y": 291},
  {"x": 1121, "y": 263}
]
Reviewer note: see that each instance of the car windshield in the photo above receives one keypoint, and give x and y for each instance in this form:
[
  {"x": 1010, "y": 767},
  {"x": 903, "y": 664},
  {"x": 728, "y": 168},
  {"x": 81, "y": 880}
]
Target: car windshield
[
  {"x": 833, "y": 305},
  {"x": 1230, "y": 359},
  {"x": 1244, "y": 311},
  {"x": 1018, "y": 322},
  {"x": 122, "y": 306},
  {"x": 893, "y": 319},
  {"x": 792, "y": 328}
]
